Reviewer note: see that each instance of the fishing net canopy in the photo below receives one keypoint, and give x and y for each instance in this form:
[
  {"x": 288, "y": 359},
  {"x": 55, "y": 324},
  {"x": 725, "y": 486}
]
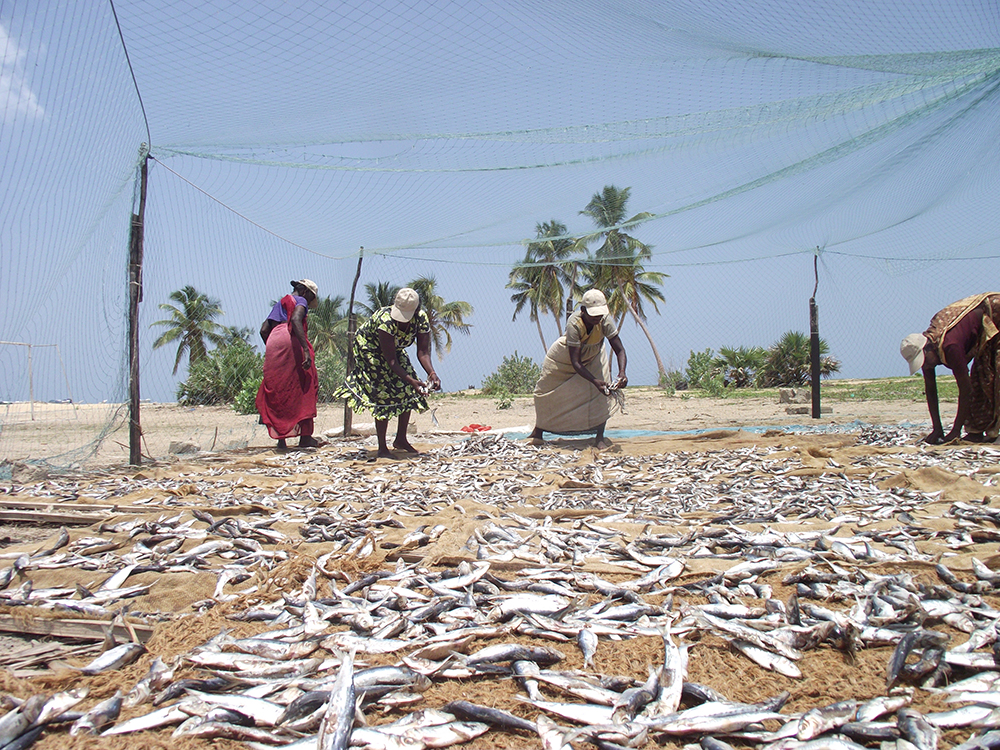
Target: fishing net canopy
[{"x": 758, "y": 141}]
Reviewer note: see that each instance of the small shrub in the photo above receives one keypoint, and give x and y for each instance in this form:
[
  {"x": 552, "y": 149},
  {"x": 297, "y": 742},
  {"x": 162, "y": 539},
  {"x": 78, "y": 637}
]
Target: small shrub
[
  {"x": 515, "y": 375},
  {"x": 699, "y": 366},
  {"x": 672, "y": 381},
  {"x": 739, "y": 367},
  {"x": 246, "y": 399},
  {"x": 504, "y": 399},
  {"x": 714, "y": 385}
]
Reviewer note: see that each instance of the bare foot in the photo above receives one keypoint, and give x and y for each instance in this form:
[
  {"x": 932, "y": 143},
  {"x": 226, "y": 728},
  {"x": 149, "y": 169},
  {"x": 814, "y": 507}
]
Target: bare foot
[
  {"x": 308, "y": 441},
  {"x": 536, "y": 441},
  {"x": 282, "y": 445},
  {"x": 602, "y": 444},
  {"x": 405, "y": 447},
  {"x": 387, "y": 454}
]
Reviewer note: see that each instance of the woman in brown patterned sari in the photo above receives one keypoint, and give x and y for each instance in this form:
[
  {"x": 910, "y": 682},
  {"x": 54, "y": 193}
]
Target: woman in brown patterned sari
[{"x": 964, "y": 331}]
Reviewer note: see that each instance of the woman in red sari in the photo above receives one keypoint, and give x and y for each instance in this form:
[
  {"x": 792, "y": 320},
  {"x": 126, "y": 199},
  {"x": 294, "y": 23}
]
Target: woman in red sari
[{"x": 286, "y": 399}]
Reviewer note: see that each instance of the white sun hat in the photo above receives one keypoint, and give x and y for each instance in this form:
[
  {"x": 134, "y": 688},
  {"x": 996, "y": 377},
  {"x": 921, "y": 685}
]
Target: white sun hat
[
  {"x": 405, "y": 305},
  {"x": 912, "y": 349},
  {"x": 595, "y": 302}
]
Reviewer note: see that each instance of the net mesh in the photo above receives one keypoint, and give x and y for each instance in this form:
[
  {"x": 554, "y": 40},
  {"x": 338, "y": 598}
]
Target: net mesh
[{"x": 753, "y": 137}]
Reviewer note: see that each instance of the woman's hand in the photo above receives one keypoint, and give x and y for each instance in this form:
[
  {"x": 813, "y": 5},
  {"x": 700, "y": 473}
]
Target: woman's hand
[
  {"x": 434, "y": 382},
  {"x": 602, "y": 386},
  {"x": 621, "y": 382},
  {"x": 306, "y": 362}
]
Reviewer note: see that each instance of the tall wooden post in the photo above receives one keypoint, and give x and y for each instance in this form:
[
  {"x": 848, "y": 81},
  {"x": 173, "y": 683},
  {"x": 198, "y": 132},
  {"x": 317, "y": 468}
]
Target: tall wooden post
[
  {"x": 352, "y": 327},
  {"x": 134, "y": 298},
  {"x": 814, "y": 341}
]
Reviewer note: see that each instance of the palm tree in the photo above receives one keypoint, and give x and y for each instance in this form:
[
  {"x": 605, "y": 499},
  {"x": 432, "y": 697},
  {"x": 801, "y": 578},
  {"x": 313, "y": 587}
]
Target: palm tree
[
  {"x": 788, "y": 361},
  {"x": 526, "y": 283},
  {"x": 381, "y": 294},
  {"x": 542, "y": 280},
  {"x": 739, "y": 367},
  {"x": 328, "y": 325},
  {"x": 617, "y": 265},
  {"x": 190, "y": 323},
  {"x": 444, "y": 316}
]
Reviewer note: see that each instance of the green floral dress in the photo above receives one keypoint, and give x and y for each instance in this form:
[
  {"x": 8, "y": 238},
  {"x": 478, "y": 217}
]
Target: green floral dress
[{"x": 373, "y": 386}]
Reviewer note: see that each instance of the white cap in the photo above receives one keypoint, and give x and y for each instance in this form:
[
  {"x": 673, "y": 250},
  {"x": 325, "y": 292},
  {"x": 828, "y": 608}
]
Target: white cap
[
  {"x": 405, "y": 305},
  {"x": 595, "y": 302},
  {"x": 311, "y": 286},
  {"x": 912, "y": 349}
]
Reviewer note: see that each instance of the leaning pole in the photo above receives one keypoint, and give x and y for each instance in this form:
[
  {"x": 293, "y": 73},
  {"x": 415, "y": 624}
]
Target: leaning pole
[
  {"x": 134, "y": 298},
  {"x": 352, "y": 327}
]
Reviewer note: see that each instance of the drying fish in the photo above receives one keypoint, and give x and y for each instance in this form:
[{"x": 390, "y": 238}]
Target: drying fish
[
  {"x": 115, "y": 658},
  {"x": 587, "y": 641},
  {"x": 99, "y": 716},
  {"x": 338, "y": 718},
  {"x": 17, "y": 721}
]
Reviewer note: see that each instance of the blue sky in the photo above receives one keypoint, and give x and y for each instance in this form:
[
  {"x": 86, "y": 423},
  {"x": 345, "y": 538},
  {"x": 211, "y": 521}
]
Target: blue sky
[{"x": 436, "y": 135}]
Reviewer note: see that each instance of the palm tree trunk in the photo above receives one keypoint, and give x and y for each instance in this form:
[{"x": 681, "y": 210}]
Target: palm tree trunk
[
  {"x": 538, "y": 322},
  {"x": 656, "y": 354}
]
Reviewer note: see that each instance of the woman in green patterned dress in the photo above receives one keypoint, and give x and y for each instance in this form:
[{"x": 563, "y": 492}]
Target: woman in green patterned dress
[{"x": 383, "y": 380}]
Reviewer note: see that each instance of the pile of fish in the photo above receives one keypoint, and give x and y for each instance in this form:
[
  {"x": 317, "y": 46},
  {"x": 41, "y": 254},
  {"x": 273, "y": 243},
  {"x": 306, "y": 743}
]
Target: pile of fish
[{"x": 569, "y": 558}]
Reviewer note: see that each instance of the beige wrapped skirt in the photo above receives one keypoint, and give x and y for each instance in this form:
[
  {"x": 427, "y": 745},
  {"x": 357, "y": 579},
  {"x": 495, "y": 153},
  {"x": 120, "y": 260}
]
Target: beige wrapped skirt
[{"x": 565, "y": 403}]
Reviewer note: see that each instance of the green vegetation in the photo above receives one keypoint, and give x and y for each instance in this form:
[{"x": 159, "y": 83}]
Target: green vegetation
[
  {"x": 789, "y": 361},
  {"x": 246, "y": 399},
  {"x": 888, "y": 389},
  {"x": 699, "y": 368},
  {"x": 220, "y": 376},
  {"x": 191, "y": 322},
  {"x": 516, "y": 375},
  {"x": 786, "y": 363}
]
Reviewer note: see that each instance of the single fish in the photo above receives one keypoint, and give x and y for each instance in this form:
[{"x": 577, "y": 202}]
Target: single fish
[
  {"x": 586, "y": 639},
  {"x": 817, "y": 721},
  {"x": 916, "y": 729},
  {"x": 486, "y": 715},
  {"x": 115, "y": 658},
  {"x": 338, "y": 719},
  {"x": 59, "y": 703},
  {"x": 99, "y": 716}
]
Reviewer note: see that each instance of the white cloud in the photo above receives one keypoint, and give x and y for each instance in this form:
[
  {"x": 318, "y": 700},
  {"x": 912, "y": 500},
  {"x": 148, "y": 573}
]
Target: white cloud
[{"x": 16, "y": 98}]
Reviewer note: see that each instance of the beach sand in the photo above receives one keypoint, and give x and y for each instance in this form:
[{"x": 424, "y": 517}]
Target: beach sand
[{"x": 96, "y": 435}]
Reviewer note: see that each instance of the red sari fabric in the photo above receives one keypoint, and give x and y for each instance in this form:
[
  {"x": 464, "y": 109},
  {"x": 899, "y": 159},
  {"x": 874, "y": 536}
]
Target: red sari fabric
[{"x": 286, "y": 400}]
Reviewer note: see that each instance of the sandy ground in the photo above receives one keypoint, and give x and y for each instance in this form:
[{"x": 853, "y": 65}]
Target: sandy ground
[{"x": 96, "y": 435}]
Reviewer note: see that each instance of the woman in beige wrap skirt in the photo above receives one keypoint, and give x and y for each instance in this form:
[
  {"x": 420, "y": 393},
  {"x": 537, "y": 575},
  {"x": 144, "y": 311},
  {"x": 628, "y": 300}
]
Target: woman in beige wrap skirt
[{"x": 572, "y": 396}]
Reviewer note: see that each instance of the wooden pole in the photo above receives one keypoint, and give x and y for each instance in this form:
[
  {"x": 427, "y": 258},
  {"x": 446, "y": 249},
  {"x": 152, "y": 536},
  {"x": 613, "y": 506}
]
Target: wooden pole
[
  {"x": 814, "y": 341},
  {"x": 352, "y": 327},
  {"x": 31, "y": 386},
  {"x": 134, "y": 298}
]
